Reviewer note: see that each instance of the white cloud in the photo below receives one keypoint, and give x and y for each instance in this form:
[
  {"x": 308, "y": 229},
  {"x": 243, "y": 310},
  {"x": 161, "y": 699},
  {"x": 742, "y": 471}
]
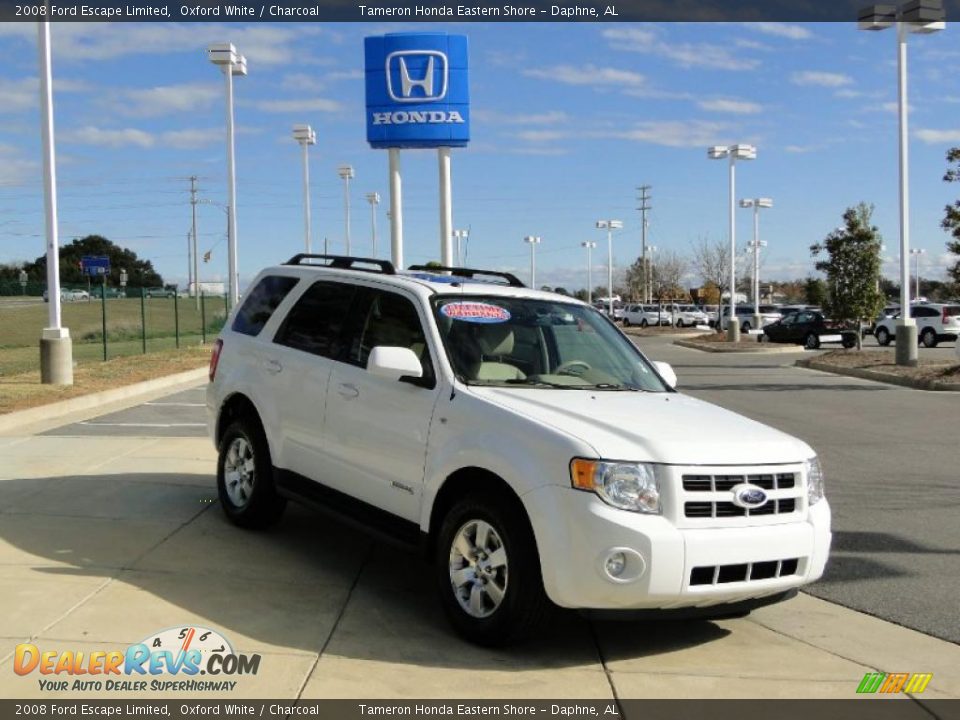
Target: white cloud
[
  {"x": 299, "y": 106},
  {"x": 154, "y": 101},
  {"x": 192, "y": 138},
  {"x": 737, "y": 107},
  {"x": 674, "y": 133},
  {"x": 646, "y": 40},
  {"x": 14, "y": 168},
  {"x": 24, "y": 94},
  {"x": 542, "y": 135},
  {"x": 937, "y": 137},
  {"x": 821, "y": 79},
  {"x": 124, "y": 137},
  {"x": 587, "y": 75},
  {"x": 802, "y": 149},
  {"x": 549, "y": 117},
  {"x": 784, "y": 30}
]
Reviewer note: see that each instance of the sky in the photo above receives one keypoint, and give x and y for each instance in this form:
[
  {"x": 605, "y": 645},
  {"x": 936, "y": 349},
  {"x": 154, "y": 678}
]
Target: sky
[{"x": 568, "y": 120}]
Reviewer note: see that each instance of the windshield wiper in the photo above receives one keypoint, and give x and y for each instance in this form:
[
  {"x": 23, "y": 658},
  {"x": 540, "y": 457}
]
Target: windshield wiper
[
  {"x": 612, "y": 386},
  {"x": 545, "y": 383}
]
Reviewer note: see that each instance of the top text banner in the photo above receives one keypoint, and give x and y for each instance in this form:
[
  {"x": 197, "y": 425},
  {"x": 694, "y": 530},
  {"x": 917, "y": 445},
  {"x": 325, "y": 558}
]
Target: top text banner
[{"x": 437, "y": 11}]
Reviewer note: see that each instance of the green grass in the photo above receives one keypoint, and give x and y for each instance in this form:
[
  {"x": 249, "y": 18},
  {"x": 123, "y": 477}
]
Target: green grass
[{"x": 21, "y": 325}]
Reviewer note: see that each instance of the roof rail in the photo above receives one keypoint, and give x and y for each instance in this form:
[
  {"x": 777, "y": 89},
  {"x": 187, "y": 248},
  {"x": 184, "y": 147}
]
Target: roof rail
[
  {"x": 346, "y": 262},
  {"x": 469, "y": 273}
]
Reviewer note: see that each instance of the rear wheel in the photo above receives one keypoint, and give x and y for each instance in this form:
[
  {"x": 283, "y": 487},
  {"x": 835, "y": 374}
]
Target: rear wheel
[
  {"x": 882, "y": 335},
  {"x": 849, "y": 341},
  {"x": 679, "y": 322},
  {"x": 929, "y": 338},
  {"x": 488, "y": 571},
  {"x": 643, "y": 323},
  {"x": 812, "y": 341},
  {"x": 245, "y": 476},
  {"x": 745, "y": 327},
  {"x": 626, "y": 322}
]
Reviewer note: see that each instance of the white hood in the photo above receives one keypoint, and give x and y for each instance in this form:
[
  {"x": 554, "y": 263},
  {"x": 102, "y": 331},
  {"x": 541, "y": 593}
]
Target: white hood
[{"x": 656, "y": 427}]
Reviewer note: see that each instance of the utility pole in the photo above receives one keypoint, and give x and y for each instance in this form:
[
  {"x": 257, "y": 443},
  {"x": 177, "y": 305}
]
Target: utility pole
[
  {"x": 644, "y": 265},
  {"x": 196, "y": 269}
]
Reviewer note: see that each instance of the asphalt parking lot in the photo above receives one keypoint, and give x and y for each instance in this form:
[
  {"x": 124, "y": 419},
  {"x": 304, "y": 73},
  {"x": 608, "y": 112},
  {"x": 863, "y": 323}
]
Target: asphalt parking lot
[{"x": 110, "y": 531}]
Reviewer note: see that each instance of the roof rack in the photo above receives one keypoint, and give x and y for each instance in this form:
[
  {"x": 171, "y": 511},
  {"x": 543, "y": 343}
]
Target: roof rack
[
  {"x": 469, "y": 273},
  {"x": 346, "y": 262}
]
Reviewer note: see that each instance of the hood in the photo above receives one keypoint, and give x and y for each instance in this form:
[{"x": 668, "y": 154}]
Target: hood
[{"x": 657, "y": 427}]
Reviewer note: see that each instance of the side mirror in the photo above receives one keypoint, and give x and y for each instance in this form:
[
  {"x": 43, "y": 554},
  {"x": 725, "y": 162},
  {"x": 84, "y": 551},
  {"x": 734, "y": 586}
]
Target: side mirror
[
  {"x": 666, "y": 372},
  {"x": 394, "y": 363}
]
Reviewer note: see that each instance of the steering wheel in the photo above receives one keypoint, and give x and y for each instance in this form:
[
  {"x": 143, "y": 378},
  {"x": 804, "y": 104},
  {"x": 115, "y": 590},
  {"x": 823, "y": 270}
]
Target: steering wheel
[{"x": 564, "y": 368}]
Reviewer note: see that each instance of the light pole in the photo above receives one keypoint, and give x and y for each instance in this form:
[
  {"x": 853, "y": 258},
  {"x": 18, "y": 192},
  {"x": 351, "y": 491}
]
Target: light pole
[
  {"x": 609, "y": 226},
  {"x": 917, "y": 252},
  {"x": 460, "y": 236},
  {"x": 346, "y": 174},
  {"x": 734, "y": 153},
  {"x": 589, "y": 245},
  {"x": 374, "y": 199},
  {"x": 231, "y": 63},
  {"x": 23, "y": 281},
  {"x": 305, "y": 135},
  {"x": 533, "y": 241},
  {"x": 649, "y": 251},
  {"x": 756, "y": 204},
  {"x": 924, "y": 17}
]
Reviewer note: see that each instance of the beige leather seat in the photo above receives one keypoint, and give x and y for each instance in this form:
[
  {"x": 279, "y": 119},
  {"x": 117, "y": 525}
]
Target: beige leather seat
[{"x": 495, "y": 341}]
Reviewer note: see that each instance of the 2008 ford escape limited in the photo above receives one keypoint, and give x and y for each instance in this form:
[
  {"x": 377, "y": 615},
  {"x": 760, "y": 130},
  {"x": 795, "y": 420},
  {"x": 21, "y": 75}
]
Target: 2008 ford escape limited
[{"x": 517, "y": 436}]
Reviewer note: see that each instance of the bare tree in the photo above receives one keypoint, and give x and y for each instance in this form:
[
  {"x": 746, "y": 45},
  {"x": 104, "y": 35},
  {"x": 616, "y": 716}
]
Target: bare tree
[
  {"x": 668, "y": 271},
  {"x": 711, "y": 263}
]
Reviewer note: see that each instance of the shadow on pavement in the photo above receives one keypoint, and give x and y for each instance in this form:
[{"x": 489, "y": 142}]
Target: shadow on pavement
[
  {"x": 868, "y": 541},
  {"x": 787, "y": 387},
  {"x": 307, "y": 584}
]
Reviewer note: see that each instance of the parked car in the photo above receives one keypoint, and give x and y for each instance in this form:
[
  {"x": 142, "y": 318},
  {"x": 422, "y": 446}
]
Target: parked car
[
  {"x": 712, "y": 313},
  {"x": 533, "y": 460},
  {"x": 807, "y": 328},
  {"x": 688, "y": 316},
  {"x": 68, "y": 295},
  {"x": 160, "y": 292},
  {"x": 619, "y": 309},
  {"x": 936, "y": 322},
  {"x": 768, "y": 314},
  {"x": 890, "y": 311},
  {"x": 645, "y": 315}
]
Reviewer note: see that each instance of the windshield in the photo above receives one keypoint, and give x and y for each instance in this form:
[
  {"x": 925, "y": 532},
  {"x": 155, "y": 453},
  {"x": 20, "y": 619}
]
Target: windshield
[{"x": 539, "y": 343}]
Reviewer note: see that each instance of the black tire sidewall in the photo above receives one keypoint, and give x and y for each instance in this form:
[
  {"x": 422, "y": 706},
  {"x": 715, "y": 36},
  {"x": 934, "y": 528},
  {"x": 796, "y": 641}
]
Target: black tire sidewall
[
  {"x": 882, "y": 336},
  {"x": 928, "y": 333},
  {"x": 264, "y": 506},
  {"x": 811, "y": 342}
]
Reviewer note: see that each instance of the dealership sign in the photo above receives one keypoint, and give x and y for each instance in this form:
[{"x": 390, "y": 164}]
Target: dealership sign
[{"x": 417, "y": 90}]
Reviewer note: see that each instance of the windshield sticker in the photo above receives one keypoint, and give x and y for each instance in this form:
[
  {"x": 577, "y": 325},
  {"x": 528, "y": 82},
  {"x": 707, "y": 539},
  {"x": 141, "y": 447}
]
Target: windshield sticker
[{"x": 475, "y": 312}]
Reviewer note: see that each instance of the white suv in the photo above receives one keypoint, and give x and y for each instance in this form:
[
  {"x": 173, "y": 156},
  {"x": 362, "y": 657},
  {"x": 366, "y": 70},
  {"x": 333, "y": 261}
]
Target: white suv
[
  {"x": 519, "y": 438},
  {"x": 935, "y": 323}
]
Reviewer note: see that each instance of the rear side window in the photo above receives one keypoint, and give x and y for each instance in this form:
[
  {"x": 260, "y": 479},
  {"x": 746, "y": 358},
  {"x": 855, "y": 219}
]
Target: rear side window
[
  {"x": 951, "y": 311},
  {"x": 260, "y": 303},
  {"x": 924, "y": 312},
  {"x": 316, "y": 322}
]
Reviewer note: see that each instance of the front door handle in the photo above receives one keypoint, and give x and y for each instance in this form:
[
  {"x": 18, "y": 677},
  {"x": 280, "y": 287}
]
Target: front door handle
[
  {"x": 348, "y": 391},
  {"x": 273, "y": 366}
]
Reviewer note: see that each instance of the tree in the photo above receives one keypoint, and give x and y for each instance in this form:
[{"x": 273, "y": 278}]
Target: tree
[
  {"x": 852, "y": 267},
  {"x": 951, "y": 220},
  {"x": 711, "y": 263},
  {"x": 815, "y": 292},
  {"x": 140, "y": 272},
  {"x": 667, "y": 274}
]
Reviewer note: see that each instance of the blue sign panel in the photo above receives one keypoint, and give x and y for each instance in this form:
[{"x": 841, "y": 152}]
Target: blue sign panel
[
  {"x": 417, "y": 90},
  {"x": 95, "y": 265}
]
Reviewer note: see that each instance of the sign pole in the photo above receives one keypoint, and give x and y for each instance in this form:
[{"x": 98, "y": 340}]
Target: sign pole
[
  {"x": 396, "y": 208},
  {"x": 446, "y": 209}
]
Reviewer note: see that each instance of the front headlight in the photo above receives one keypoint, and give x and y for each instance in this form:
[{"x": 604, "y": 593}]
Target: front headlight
[
  {"x": 814, "y": 481},
  {"x": 628, "y": 486}
]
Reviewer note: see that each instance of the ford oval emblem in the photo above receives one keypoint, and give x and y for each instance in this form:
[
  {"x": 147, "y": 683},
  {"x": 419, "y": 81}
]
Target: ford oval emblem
[{"x": 749, "y": 496}]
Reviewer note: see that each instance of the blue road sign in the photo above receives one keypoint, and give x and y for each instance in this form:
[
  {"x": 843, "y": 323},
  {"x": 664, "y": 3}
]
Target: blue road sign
[
  {"x": 418, "y": 94},
  {"x": 95, "y": 265}
]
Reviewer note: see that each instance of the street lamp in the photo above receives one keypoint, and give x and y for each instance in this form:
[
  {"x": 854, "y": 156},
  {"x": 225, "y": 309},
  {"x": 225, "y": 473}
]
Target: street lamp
[
  {"x": 232, "y": 63},
  {"x": 346, "y": 174},
  {"x": 734, "y": 153},
  {"x": 917, "y": 252},
  {"x": 609, "y": 226},
  {"x": 756, "y": 204},
  {"x": 589, "y": 245},
  {"x": 305, "y": 135},
  {"x": 374, "y": 199},
  {"x": 649, "y": 250},
  {"x": 533, "y": 241},
  {"x": 921, "y": 17},
  {"x": 459, "y": 236}
]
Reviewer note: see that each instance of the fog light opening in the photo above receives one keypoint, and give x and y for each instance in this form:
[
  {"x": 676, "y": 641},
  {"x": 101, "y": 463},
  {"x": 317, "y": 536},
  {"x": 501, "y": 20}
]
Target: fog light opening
[
  {"x": 616, "y": 564},
  {"x": 622, "y": 565}
]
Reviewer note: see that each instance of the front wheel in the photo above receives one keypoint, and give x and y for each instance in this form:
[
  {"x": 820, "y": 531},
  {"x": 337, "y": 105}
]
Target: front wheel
[
  {"x": 745, "y": 327},
  {"x": 929, "y": 338},
  {"x": 812, "y": 341},
  {"x": 882, "y": 335},
  {"x": 245, "y": 477},
  {"x": 626, "y": 323},
  {"x": 644, "y": 323},
  {"x": 488, "y": 572},
  {"x": 679, "y": 322}
]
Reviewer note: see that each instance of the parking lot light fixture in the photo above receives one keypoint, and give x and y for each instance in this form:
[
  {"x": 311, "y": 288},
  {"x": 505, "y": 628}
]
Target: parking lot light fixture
[
  {"x": 609, "y": 226},
  {"x": 346, "y": 174},
  {"x": 589, "y": 245},
  {"x": 916, "y": 17},
  {"x": 756, "y": 204},
  {"x": 533, "y": 241},
  {"x": 231, "y": 62},
  {"x": 305, "y": 135},
  {"x": 732, "y": 153}
]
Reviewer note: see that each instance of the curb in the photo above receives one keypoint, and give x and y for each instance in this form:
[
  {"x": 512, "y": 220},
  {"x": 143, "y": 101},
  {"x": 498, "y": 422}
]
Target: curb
[
  {"x": 879, "y": 376},
  {"x": 52, "y": 414},
  {"x": 760, "y": 349}
]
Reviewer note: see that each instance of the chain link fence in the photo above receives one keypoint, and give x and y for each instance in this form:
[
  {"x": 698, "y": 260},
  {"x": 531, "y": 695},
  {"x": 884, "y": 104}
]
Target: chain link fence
[{"x": 124, "y": 322}]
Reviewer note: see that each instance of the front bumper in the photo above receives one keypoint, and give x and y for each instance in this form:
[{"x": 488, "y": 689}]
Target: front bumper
[{"x": 576, "y": 531}]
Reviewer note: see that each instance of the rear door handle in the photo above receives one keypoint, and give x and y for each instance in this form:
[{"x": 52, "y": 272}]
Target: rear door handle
[
  {"x": 272, "y": 366},
  {"x": 348, "y": 391}
]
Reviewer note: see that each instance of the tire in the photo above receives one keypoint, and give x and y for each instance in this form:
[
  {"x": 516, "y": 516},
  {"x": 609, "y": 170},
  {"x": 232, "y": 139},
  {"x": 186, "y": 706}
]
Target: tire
[
  {"x": 520, "y": 605},
  {"x": 882, "y": 335},
  {"x": 745, "y": 328},
  {"x": 929, "y": 338},
  {"x": 626, "y": 323},
  {"x": 643, "y": 322},
  {"x": 811, "y": 341},
  {"x": 248, "y": 495},
  {"x": 849, "y": 341},
  {"x": 679, "y": 322}
]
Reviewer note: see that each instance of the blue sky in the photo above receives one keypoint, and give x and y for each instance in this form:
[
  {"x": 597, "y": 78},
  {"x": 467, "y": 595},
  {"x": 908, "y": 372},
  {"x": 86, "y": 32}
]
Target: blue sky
[{"x": 568, "y": 119}]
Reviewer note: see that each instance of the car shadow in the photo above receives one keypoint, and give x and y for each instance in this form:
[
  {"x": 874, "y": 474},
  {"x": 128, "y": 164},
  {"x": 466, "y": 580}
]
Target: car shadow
[
  {"x": 307, "y": 584},
  {"x": 788, "y": 387}
]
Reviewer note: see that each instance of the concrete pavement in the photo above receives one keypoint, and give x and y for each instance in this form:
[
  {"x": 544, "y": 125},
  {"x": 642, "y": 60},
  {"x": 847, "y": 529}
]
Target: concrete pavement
[{"x": 110, "y": 533}]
